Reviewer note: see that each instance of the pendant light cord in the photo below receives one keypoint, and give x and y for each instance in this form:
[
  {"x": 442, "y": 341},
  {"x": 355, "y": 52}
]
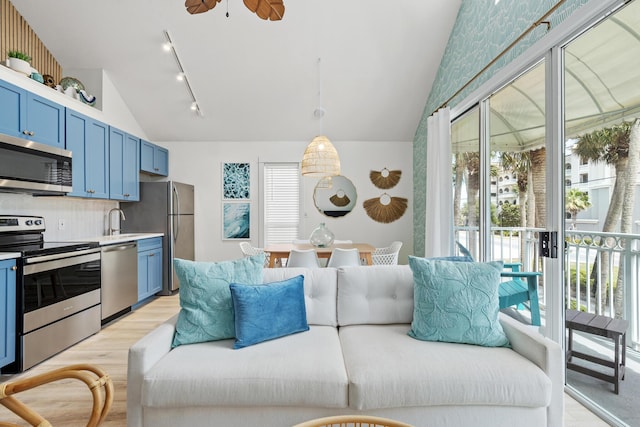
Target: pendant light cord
[{"x": 320, "y": 109}]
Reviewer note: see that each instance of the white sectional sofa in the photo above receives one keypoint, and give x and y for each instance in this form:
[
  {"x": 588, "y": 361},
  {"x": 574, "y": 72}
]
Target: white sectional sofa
[{"x": 356, "y": 358}]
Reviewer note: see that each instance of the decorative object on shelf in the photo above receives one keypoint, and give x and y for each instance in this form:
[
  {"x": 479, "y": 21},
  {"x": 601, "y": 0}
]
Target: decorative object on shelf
[
  {"x": 35, "y": 75},
  {"x": 236, "y": 221},
  {"x": 49, "y": 80},
  {"x": 335, "y": 196},
  {"x": 272, "y": 10},
  {"x": 385, "y": 208},
  {"x": 385, "y": 178},
  {"x": 71, "y": 92},
  {"x": 236, "y": 180},
  {"x": 20, "y": 62},
  {"x": 67, "y": 82},
  {"x": 321, "y": 237},
  {"x": 86, "y": 98}
]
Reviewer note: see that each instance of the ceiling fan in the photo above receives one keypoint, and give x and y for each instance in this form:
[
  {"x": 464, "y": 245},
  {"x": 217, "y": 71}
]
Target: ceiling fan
[{"x": 265, "y": 9}]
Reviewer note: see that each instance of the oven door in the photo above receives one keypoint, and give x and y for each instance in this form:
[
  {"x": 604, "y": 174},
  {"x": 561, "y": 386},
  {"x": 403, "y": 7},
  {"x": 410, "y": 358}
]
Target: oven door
[{"x": 57, "y": 286}]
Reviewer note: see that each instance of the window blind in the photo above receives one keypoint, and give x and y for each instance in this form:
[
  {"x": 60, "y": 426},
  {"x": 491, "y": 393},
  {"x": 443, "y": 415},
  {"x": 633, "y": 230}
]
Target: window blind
[{"x": 281, "y": 202}]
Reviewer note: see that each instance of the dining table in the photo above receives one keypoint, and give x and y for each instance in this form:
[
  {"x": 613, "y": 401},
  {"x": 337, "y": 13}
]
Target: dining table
[{"x": 278, "y": 251}]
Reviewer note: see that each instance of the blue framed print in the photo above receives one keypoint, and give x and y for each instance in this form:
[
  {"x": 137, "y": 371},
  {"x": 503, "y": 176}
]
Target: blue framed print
[
  {"x": 236, "y": 181},
  {"x": 236, "y": 221}
]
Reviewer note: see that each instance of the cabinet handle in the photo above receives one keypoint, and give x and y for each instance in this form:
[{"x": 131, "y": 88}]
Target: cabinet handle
[
  {"x": 25, "y": 132},
  {"x": 31, "y": 133},
  {"x": 91, "y": 191},
  {"x": 14, "y": 267},
  {"x": 156, "y": 169},
  {"x": 152, "y": 255},
  {"x": 126, "y": 194}
]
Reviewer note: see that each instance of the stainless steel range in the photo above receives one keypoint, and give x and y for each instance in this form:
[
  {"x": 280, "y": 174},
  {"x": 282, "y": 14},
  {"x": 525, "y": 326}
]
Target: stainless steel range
[{"x": 58, "y": 290}]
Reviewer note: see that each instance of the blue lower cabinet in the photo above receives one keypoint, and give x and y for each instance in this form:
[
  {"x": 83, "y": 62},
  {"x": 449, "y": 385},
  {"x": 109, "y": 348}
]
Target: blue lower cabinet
[
  {"x": 149, "y": 267},
  {"x": 7, "y": 312}
]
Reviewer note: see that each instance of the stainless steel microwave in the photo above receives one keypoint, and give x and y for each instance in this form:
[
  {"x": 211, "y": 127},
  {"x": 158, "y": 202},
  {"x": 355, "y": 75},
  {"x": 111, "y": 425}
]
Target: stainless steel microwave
[{"x": 31, "y": 167}]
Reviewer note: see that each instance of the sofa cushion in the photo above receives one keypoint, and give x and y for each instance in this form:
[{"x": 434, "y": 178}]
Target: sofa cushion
[
  {"x": 297, "y": 370},
  {"x": 457, "y": 302},
  {"x": 265, "y": 312},
  {"x": 320, "y": 287},
  {"x": 377, "y": 294},
  {"x": 389, "y": 369},
  {"x": 206, "y": 310}
]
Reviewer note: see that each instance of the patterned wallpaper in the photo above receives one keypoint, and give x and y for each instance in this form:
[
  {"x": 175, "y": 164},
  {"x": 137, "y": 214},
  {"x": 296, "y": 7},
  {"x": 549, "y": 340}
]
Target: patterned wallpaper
[{"x": 482, "y": 30}]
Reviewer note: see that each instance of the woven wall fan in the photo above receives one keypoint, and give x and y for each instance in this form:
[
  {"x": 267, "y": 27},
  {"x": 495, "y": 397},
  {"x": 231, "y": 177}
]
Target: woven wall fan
[
  {"x": 385, "y": 178},
  {"x": 272, "y": 10},
  {"x": 385, "y": 208},
  {"x": 340, "y": 199}
]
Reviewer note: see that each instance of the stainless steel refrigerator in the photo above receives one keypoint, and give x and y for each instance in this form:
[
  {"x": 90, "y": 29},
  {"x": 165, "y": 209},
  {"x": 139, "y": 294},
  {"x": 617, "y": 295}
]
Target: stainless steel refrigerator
[{"x": 164, "y": 207}]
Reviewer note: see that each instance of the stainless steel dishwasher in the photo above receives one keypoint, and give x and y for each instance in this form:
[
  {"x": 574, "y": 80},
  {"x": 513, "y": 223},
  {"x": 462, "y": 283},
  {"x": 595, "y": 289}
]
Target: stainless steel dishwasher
[{"x": 119, "y": 278}]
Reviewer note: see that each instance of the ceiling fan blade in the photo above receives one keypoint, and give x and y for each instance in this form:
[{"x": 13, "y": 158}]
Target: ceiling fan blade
[
  {"x": 199, "y": 6},
  {"x": 266, "y": 9}
]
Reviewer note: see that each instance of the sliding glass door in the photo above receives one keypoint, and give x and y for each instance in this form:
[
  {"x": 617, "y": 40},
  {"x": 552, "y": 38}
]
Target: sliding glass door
[{"x": 602, "y": 198}]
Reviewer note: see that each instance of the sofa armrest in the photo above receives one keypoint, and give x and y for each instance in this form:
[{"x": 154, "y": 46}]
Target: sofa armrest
[
  {"x": 143, "y": 355},
  {"x": 546, "y": 354}
]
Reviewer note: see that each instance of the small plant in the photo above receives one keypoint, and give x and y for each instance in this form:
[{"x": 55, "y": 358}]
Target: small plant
[{"x": 19, "y": 55}]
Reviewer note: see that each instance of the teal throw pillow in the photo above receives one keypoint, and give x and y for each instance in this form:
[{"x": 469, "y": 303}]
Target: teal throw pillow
[
  {"x": 206, "y": 310},
  {"x": 265, "y": 312},
  {"x": 457, "y": 302}
]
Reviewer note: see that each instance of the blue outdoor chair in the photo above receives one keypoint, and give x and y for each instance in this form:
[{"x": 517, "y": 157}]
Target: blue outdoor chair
[{"x": 517, "y": 291}]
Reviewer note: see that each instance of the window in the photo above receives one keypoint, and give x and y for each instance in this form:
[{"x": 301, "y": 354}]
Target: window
[
  {"x": 281, "y": 202},
  {"x": 584, "y": 178}
]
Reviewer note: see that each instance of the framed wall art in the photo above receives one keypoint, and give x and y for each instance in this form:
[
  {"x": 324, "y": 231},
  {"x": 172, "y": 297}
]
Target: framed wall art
[
  {"x": 236, "y": 181},
  {"x": 236, "y": 220}
]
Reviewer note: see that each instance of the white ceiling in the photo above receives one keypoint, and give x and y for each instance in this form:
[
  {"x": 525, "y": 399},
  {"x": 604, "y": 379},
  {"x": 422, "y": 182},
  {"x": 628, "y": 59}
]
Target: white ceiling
[{"x": 258, "y": 80}]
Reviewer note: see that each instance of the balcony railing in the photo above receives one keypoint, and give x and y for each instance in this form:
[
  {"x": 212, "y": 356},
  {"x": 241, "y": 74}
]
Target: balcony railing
[{"x": 593, "y": 263}]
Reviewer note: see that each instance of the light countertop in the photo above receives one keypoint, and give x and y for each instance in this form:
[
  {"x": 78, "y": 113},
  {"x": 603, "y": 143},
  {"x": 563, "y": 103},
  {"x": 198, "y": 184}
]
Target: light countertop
[
  {"x": 121, "y": 238},
  {"x": 9, "y": 255}
]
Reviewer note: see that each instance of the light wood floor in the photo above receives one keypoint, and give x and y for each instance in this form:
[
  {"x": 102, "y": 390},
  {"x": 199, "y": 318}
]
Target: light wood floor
[{"x": 67, "y": 403}]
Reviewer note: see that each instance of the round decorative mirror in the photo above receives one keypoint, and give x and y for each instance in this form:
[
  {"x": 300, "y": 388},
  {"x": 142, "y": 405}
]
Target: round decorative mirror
[{"x": 335, "y": 196}]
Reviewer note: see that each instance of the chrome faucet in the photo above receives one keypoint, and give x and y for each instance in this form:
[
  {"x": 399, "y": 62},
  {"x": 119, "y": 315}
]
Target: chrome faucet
[{"x": 112, "y": 230}]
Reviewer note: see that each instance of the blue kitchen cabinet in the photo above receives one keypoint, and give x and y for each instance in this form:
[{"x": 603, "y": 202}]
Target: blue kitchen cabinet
[
  {"x": 27, "y": 115},
  {"x": 149, "y": 267},
  {"x": 7, "y": 312},
  {"x": 124, "y": 158},
  {"x": 88, "y": 140},
  {"x": 154, "y": 159}
]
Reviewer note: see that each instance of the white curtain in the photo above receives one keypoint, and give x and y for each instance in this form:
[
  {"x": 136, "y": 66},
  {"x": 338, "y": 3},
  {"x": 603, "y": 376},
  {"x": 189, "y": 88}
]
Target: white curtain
[{"x": 439, "y": 199}]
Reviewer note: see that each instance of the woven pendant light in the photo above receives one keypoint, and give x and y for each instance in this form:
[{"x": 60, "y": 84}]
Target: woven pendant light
[{"x": 320, "y": 158}]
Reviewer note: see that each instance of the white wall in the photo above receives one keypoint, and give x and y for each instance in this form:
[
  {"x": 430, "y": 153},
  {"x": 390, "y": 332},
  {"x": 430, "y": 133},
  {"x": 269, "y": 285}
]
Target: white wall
[
  {"x": 199, "y": 163},
  {"x": 83, "y": 218}
]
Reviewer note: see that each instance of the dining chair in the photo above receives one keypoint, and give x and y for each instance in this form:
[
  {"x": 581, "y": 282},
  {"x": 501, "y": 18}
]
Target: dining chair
[
  {"x": 303, "y": 258},
  {"x": 344, "y": 257},
  {"x": 248, "y": 250},
  {"x": 387, "y": 255}
]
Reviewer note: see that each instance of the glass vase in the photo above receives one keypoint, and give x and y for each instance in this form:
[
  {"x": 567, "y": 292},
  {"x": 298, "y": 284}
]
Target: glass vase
[{"x": 321, "y": 237}]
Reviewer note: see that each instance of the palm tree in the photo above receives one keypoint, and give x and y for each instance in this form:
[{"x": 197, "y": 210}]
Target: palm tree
[
  {"x": 618, "y": 145},
  {"x": 520, "y": 164},
  {"x": 576, "y": 201}
]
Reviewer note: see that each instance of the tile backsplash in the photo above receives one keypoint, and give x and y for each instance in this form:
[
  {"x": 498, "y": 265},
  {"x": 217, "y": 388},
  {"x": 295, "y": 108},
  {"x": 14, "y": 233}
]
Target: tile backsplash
[{"x": 82, "y": 218}]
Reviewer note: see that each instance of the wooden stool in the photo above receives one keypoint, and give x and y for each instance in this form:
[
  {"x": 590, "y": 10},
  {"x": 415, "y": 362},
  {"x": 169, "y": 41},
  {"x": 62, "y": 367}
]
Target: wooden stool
[{"x": 604, "y": 326}]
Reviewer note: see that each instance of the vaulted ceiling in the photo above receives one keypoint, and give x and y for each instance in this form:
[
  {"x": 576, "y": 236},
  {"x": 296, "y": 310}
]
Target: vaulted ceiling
[{"x": 368, "y": 63}]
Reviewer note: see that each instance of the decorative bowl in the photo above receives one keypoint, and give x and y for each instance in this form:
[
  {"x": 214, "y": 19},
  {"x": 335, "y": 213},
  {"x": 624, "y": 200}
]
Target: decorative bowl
[{"x": 66, "y": 82}]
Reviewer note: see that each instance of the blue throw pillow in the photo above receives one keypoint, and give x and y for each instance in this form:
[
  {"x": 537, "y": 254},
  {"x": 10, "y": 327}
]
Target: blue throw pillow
[
  {"x": 265, "y": 312},
  {"x": 457, "y": 302},
  {"x": 206, "y": 310}
]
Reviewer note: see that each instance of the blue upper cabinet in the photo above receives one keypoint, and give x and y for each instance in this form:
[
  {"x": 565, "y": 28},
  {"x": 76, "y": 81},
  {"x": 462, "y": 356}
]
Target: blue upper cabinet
[
  {"x": 124, "y": 158},
  {"x": 7, "y": 312},
  {"x": 29, "y": 116},
  {"x": 13, "y": 104},
  {"x": 88, "y": 140},
  {"x": 153, "y": 159}
]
